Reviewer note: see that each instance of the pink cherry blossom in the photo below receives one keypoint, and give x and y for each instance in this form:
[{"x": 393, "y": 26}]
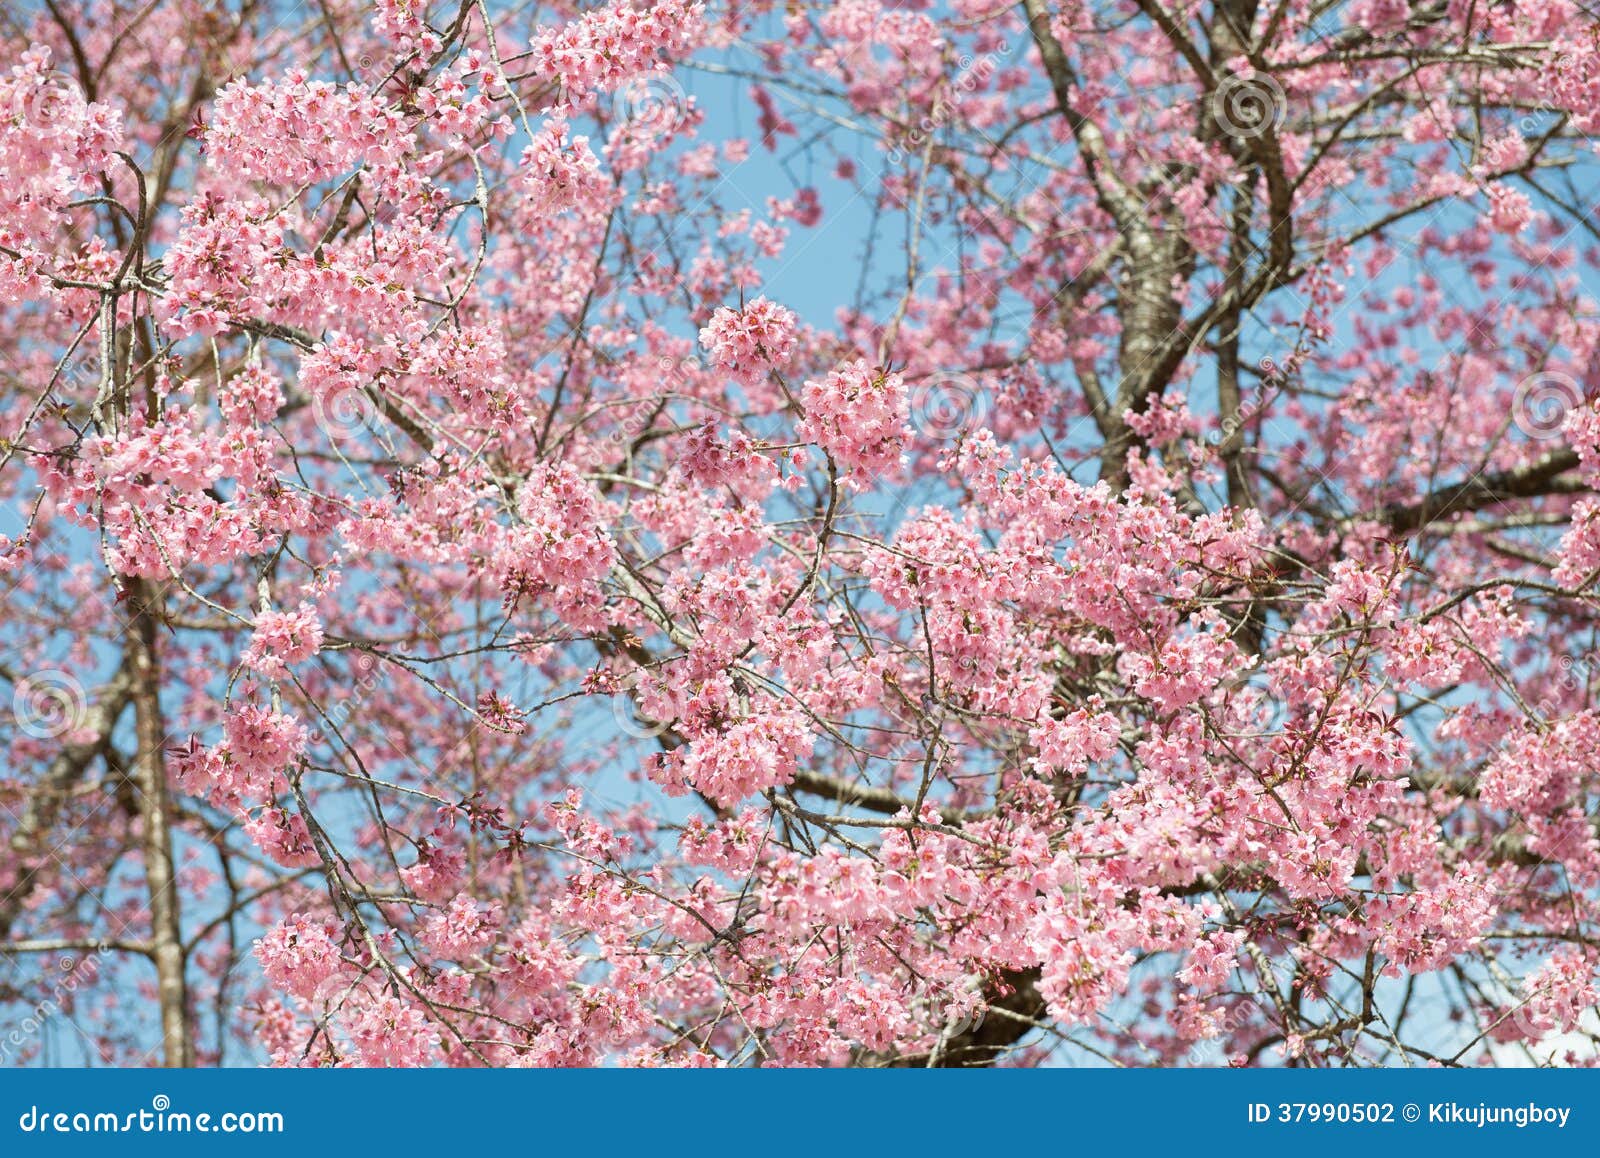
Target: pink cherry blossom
[
  {"x": 751, "y": 342},
  {"x": 858, "y": 414},
  {"x": 282, "y": 638},
  {"x": 849, "y": 533}
]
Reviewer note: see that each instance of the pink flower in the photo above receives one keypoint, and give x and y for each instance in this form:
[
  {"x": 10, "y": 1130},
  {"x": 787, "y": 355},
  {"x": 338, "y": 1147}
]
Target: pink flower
[
  {"x": 461, "y": 929},
  {"x": 751, "y": 342},
  {"x": 611, "y": 45},
  {"x": 284, "y": 837},
  {"x": 282, "y": 638},
  {"x": 560, "y": 171},
  {"x": 1066, "y": 745},
  {"x": 437, "y": 873},
  {"x": 261, "y": 744},
  {"x": 387, "y": 1031},
  {"x": 749, "y": 757},
  {"x": 1558, "y": 993},
  {"x": 858, "y": 414},
  {"x": 299, "y": 954},
  {"x": 1510, "y": 211}
]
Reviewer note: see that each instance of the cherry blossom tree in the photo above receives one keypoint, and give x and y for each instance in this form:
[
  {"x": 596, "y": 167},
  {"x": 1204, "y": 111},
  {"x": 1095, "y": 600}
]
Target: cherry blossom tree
[{"x": 464, "y": 603}]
